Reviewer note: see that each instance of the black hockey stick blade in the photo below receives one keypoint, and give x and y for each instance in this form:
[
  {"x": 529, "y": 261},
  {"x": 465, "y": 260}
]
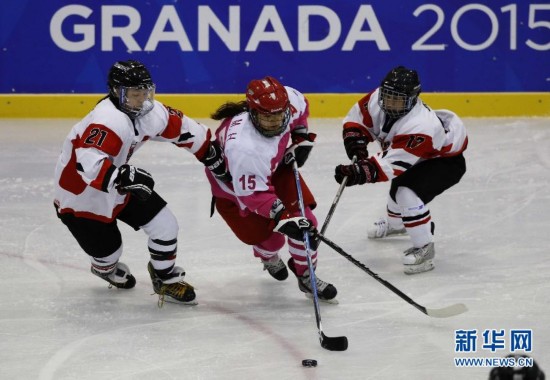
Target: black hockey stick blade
[
  {"x": 445, "y": 312},
  {"x": 337, "y": 343}
]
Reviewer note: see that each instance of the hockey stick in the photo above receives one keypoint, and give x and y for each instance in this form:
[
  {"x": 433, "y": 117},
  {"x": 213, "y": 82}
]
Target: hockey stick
[
  {"x": 336, "y": 200},
  {"x": 445, "y": 312},
  {"x": 339, "y": 343}
]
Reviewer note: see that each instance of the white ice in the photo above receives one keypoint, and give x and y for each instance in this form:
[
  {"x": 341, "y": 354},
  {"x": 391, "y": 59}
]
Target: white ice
[{"x": 58, "y": 321}]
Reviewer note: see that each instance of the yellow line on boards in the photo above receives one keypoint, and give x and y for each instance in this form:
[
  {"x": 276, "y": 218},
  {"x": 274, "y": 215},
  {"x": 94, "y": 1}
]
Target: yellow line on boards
[{"x": 321, "y": 105}]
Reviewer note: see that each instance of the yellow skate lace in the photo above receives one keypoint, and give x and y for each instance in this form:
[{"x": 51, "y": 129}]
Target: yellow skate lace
[{"x": 173, "y": 291}]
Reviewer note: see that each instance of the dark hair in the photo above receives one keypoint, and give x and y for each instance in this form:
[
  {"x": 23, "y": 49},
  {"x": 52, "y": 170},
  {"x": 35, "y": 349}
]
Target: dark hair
[{"x": 230, "y": 109}]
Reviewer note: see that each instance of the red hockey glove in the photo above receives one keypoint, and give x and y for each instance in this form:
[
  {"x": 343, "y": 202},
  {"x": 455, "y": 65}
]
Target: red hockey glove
[
  {"x": 358, "y": 174},
  {"x": 355, "y": 143}
]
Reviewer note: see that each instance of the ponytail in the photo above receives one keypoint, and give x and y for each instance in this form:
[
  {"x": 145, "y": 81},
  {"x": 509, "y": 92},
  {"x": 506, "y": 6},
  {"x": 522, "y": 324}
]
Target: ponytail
[{"x": 230, "y": 109}]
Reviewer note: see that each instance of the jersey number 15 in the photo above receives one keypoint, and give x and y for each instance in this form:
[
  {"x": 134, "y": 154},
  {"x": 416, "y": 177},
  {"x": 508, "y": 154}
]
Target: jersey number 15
[{"x": 248, "y": 182}]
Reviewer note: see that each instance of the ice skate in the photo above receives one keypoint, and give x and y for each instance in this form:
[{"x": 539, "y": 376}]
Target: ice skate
[
  {"x": 325, "y": 291},
  {"x": 418, "y": 260},
  {"x": 276, "y": 268},
  {"x": 173, "y": 289},
  {"x": 382, "y": 229},
  {"x": 120, "y": 277}
]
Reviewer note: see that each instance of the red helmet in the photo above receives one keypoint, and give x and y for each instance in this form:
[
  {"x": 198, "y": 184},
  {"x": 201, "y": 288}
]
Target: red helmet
[{"x": 268, "y": 97}]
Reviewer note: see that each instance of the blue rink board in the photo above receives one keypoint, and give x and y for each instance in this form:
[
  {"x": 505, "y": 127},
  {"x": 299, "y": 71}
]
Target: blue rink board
[{"x": 316, "y": 46}]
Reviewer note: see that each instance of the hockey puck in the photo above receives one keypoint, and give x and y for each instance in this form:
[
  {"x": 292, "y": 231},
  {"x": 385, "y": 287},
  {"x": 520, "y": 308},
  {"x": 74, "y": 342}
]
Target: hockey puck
[{"x": 309, "y": 363}]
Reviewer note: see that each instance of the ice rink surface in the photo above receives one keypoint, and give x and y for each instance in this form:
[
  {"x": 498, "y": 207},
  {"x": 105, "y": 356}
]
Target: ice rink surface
[{"x": 58, "y": 321}]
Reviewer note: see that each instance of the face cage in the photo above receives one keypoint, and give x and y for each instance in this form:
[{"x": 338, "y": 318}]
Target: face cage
[
  {"x": 269, "y": 132},
  {"x": 145, "y": 108},
  {"x": 408, "y": 101}
]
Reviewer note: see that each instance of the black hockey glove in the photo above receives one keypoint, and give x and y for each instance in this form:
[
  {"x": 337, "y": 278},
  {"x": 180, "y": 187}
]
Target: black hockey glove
[
  {"x": 291, "y": 226},
  {"x": 302, "y": 144},
  {"x": 215, "y": 162},
  {"x": 358, "y": 174},
  {"x": 355, "y": 143},
  {"x": 135, "y": 181}
]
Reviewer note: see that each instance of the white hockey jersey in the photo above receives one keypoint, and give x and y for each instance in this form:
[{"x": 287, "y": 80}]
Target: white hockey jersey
[
  {"x": 253, "y": 158},
  {"x": 419, "y": 135},
  {"x": 106, "y": 139}
]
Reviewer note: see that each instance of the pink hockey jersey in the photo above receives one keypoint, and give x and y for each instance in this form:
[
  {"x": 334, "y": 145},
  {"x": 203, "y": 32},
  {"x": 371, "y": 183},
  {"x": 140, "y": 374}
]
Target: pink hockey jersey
[
  {"x": 106, "y": 139},
  {"x": 253, "y": 158},
  {"x": 419, "y": 135}
]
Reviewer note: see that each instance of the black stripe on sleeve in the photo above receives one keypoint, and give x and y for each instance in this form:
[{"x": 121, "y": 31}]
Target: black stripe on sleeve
[{"x": 403, "y": 164}]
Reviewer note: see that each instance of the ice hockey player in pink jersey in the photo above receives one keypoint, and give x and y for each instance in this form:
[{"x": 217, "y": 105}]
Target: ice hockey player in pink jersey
[
  {"x": 260, "y": 203},
  {"x": 95, "y": 186},
  {"x": 421, "y": 154}
]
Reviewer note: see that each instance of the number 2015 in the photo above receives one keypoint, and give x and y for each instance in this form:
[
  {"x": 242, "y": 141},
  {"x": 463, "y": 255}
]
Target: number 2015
[{"x": 533, "y": 23}]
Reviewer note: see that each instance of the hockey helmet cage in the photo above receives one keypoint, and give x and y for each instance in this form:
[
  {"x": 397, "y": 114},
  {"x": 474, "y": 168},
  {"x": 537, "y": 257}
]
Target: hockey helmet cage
[
  {"x": 125, "y": 77},
  {"x": 268, "y": 105},
  {"x": 399, "y": 91}
]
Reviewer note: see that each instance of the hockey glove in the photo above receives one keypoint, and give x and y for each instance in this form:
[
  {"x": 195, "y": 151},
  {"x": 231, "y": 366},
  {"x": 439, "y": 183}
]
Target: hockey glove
[
  {"x": 135, "y": 181},
  {"x": 358, "y": 174},
  {"x": 291, "y": 226},
  {"x": 215, "y": 162},
  {"x": 302, "y": 144},
  {"x": 355, "y": 143}
]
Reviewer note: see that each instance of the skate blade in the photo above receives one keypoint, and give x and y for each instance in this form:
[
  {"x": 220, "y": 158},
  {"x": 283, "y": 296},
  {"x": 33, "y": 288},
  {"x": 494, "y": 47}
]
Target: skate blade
[
  {"x": 419, "y": 268},
  {"x": 333, "y": 301},
  {"x": 373, "y": 236},
  {"x": 164, "y": 298},
  {"x": 175, "y": 301}
]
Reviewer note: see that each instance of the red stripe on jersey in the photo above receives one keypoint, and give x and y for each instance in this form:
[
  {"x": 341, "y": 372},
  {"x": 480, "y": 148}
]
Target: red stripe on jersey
[
  {"x": 70, "y": 180},
  {"x": 173, "y": 127},
  {"x": 364, "y": 131},
  {"x": 203, "y": 150},
  {"x": 397, "y": 172},
  {"x": 100, "y": 179},
  {"x": 381, "y": 176},
  {"x": 445, "y": 150},
  {"x": 102, "y": 138},
  {"x": 91, "y": 215},
  {"x": 448, "y": 147},
  {"x": 418, "y": 223},
  {"x": 465, "y": 145},
  {"x": 420, "y": 145},
  {"x": 364, "y": 108}
]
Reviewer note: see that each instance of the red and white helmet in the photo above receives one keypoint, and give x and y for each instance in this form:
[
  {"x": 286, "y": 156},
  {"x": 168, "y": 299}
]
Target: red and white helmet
[{"x": 269, "y": 106}]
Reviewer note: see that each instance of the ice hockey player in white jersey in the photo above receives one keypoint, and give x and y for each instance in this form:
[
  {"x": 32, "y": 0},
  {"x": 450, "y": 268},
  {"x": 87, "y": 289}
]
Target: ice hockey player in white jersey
[
  {"x": 421, "y": 154},
  {"x": 95, "y": 186},
  {"x": 260, "y": 203}
]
